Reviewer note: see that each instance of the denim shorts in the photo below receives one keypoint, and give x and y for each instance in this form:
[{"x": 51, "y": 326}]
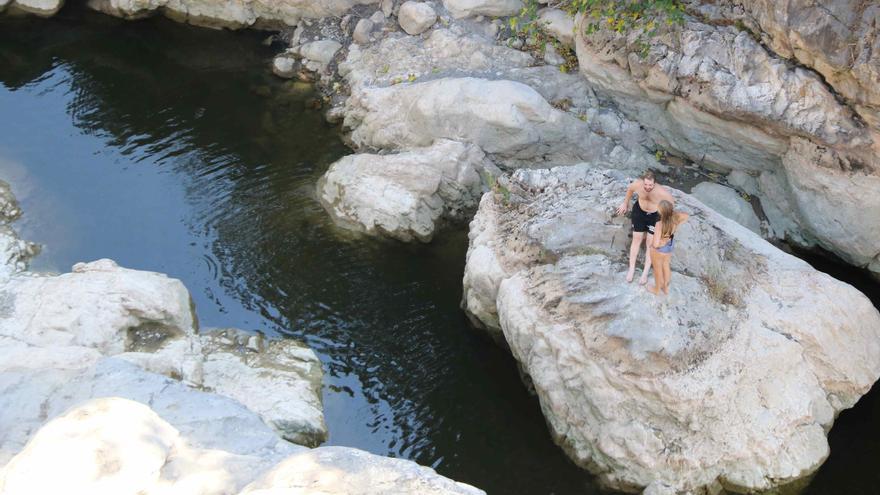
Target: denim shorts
[{"x": 667, "y": 249}]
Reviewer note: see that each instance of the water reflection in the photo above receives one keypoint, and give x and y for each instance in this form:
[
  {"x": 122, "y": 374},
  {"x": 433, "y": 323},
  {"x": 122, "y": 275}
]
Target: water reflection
[{"x": 172, "y": 149}]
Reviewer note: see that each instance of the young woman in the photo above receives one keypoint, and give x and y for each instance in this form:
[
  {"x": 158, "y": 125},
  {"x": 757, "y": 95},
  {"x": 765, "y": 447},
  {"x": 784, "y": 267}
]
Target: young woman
[{"x": 664, "y": 242}]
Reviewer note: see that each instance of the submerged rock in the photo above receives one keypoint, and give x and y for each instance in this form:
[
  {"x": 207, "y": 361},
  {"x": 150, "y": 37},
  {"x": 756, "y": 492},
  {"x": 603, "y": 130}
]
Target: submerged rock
[
  {"x": 404, "y": 195},
  {"x": 113, "y": 445},
  {"x": 731, "y": 381}
]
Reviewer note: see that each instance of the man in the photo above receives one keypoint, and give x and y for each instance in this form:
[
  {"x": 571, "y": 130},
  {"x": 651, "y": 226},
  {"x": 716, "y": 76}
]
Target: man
[{"x": 644, "y": 216}]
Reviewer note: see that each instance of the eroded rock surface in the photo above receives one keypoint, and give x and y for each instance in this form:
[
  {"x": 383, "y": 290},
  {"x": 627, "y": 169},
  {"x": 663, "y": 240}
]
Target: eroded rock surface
[
  {"x": 731, "y": 381},
  {"x": 66, "y": 326},
  {"x": 42, "y": 8},
  {"x": 839, "y": 40},
  {"x": 106, "y": 386},
  {"x": 114, "y": 445},
  {"x": 479, "y": 92},
  {"x": 496, "y": 8},
  {"x": 229, "y": 13},
  {"x": 710, "y": 91},
  {"x": 404, "y": 195}
]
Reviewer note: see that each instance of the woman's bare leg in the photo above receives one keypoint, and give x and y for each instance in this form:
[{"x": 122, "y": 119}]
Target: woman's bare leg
[
  {"x": 658, "y": 273},
  {"x": 667, "y": 273}
]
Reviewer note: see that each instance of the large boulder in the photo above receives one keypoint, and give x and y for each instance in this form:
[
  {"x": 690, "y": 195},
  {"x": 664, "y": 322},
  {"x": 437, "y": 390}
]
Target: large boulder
[
  {"x": 229, "y": 13},
  {"x": 280, "y": 380},
  {"x": 406, "y": 195},
  {"x": 452, "y": 62},
  {"x": 63, "y": 326},
  {"x": 731, "y": 381},
  {"x": 107, "y": 387},
  {"x": 716, "y": 95},
  {"x": 494, "y": 8},
  {"x": 42, "y": 8},
  {"x": 507, "y": 119},
  {"x": 729, "y": 203},
  {"x": 113, "y": 445}
]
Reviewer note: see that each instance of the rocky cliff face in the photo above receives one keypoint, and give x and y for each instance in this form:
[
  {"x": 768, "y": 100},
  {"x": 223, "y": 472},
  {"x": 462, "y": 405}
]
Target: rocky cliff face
[
  {"x": 730, "y": 381},
  {"x": 785, "y": 91}
]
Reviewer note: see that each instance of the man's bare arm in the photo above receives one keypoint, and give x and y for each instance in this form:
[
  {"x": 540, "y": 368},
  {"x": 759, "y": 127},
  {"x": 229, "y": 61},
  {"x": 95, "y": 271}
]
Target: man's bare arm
[{"x": 624, "y": 207}]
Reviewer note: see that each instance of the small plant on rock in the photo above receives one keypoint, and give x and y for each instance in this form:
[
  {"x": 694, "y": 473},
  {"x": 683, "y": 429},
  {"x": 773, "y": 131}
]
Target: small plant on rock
[{"x": 620, "y": 16}]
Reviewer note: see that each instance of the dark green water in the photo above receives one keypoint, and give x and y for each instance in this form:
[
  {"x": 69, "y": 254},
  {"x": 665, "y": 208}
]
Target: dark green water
[{"x": 173, "y": 149}]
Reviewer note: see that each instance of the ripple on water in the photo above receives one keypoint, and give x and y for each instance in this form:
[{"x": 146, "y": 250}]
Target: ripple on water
[{"x": 173, "y": 149}]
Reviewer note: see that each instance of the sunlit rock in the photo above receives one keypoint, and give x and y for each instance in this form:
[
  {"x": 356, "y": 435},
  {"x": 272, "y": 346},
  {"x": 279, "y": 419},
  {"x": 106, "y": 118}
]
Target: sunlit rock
[
  {"x": 114, "y": 445},
  {"x": 731, "y": 381},
  {"x": 404, "y": 195}
]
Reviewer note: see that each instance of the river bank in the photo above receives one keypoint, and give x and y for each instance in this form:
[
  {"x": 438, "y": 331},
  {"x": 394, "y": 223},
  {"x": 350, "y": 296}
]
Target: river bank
[{"x": 390, "y": 265}]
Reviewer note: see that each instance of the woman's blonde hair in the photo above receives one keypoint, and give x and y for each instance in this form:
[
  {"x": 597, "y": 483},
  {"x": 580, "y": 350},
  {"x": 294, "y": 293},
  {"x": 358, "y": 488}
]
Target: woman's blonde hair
[{"x": 667, "y": 216}]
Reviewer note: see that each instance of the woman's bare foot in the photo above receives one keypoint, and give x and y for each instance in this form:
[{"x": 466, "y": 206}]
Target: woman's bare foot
[
  {"x": 630, "y": 274},
  {"x": 652, "y": 289},
  {"x": 643, "y": 279},
  {"x": 666, "y": 290}
]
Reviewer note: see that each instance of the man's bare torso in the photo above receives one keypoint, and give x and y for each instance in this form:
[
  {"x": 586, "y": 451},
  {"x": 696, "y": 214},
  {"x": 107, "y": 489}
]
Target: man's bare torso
[{"x": 649, "y": 200}]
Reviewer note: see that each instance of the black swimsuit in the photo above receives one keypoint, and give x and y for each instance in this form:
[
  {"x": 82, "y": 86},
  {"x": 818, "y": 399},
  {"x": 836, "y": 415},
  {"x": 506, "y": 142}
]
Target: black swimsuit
[{"x": 642, "y": 221}]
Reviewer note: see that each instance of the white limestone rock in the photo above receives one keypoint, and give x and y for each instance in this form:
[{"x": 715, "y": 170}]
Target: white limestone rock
[
  {"x": 472, "y": 8},
  {"x": 42, "y": 8},
  {"x": 113, "y": 445},
  {"x": 716, "y": 95},
  {"x": 727, "y": 202},
  {"x": 362, "y": 30},
  {"x": 839, "y": 40},
  {"x": 232, "y": 14},
  {"x": 284, "y": 65},
  {"x": 835, "y": 197},
  {"x": 98, "y": 305},
  {"x": 558, "y": 24},
  {"x": 321, "y": 51},
  {"x": 354, "y": 472},
  {"x": 280, "y": 380},
  {"x": 743, "y": 181},
  {"x": 68, "y": 322},
  {"x": 508, "y": 120},
  {"x": 416, "y": 17},
  {"x": 455, "y": 52},
  {"x": 731, "y": 381},
  {"x": 406, "y": 195}
]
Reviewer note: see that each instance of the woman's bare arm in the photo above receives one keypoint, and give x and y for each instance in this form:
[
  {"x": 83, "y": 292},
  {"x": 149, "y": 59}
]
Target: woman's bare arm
[
  {"x": 658, "y": 233},
  {"x": 681, "y": 217}
]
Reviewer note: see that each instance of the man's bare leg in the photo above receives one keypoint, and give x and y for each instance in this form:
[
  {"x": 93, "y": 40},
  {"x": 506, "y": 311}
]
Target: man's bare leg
[
  {"x": 649, "y": 239},
  {"x": 634, "y": 254}
]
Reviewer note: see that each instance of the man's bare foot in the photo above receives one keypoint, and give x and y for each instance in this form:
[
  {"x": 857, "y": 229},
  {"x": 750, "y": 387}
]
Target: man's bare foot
[
  {"x": 666, "y": 290},
  {"x": 643, "y": 279},
  {"x": 652, "y": 289},
  {"x": 630, "y": 274}
]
